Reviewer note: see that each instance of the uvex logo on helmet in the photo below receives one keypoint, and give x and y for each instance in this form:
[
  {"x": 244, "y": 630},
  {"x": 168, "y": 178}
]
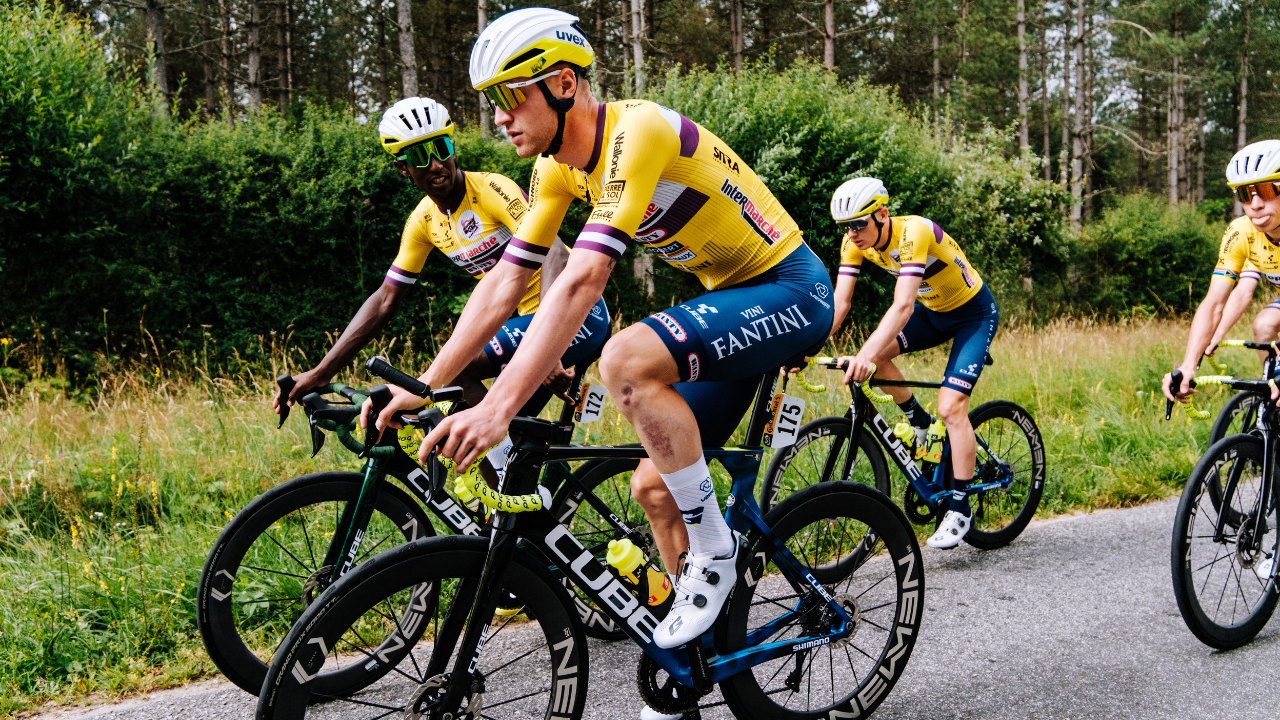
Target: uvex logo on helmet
[{"x": 570, "y": 37}]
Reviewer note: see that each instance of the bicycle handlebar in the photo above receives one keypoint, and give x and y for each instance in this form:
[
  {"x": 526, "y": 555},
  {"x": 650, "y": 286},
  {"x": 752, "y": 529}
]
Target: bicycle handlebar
[
  {"x": 472, "y": 483},
  {"x": 868, "y": 389}
]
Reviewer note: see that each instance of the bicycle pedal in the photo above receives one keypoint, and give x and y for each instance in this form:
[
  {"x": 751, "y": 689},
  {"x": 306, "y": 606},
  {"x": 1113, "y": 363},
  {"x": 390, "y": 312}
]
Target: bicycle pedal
[{"x": 699, "y": 672}]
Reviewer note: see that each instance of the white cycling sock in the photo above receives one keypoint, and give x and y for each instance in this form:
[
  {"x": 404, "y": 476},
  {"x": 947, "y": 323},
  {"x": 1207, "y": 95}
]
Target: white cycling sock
[
  {"x": 696, "y": 498},
  {"x": 497, "y": 456}
]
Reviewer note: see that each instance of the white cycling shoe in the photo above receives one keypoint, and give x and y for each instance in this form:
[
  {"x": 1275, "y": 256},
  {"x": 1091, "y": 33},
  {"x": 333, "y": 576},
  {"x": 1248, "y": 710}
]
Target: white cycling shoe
[
  {"x": 704, "y": 584},
  {"x": 952, "y": 530},
  {"x": 1263, "y": 569},
  {"x": 648, "y": 713}
]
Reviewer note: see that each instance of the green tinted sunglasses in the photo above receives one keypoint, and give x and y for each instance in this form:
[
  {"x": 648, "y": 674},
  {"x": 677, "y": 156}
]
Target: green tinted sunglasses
[{"x": 419, "y": 155}]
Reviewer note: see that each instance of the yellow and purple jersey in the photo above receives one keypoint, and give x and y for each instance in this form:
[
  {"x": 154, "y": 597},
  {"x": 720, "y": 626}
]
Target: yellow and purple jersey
[
  {"x": 919, "y": 247},
  {"x": 1247, "y": 252}
]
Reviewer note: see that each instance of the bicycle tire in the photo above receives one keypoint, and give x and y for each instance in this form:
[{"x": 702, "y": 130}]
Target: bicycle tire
[
  {"x": 796, "y": 467},
  {"x": 442, "y": 560},
  {"x": 888, "y": 611},
  {"x": 568, "y": 507},
  {"x": 1195, "y": 556},
  {"x": 1012, "y": 435},
  {"x": 216, "y": 612},
  {"x": 1236, "y": 416}
]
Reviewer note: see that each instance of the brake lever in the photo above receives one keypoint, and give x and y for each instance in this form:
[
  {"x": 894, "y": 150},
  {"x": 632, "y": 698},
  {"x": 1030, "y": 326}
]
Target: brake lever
[
  {"x": 287, "y": 384},
  {"x": 379, "y": 396},
  {"x": 317, "y": 437},
  {"x": 379, "y": 366},
  {"x": 1175, "y": 384}
]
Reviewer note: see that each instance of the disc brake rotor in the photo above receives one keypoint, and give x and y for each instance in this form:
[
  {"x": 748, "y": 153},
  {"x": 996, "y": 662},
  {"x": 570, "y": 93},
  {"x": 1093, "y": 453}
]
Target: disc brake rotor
[
  {"x": 315, "y": 583},
  {"x": 850, "y": 605},
  {"x": 431, "y": 692}
]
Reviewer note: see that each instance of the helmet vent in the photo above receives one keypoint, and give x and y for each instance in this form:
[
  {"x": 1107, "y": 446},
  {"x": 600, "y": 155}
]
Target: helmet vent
[
  {"x": 535, "y": 52},
  {"x": 405, "y": 120},
  {"x": 415, "y": 116}
]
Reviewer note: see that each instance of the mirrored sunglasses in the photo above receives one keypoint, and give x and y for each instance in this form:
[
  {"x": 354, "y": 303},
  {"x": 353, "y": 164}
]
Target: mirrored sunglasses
[
  {"x": 420, "y": 155},
  {"x": 508, "y": 96},
  {"x": 855, "y": 225},
  {"x": 1266, "y": 191}
]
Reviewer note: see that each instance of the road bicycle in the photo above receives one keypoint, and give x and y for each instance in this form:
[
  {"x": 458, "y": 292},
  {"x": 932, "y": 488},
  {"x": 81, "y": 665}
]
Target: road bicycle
[
  {"x": 827, "y": 602},
  {"x": 1240, "y": 413},
  {"x": 1007, "y": 484},
  {"x": 278, "y": 553},
  {"x": 1225, "y": 530}
]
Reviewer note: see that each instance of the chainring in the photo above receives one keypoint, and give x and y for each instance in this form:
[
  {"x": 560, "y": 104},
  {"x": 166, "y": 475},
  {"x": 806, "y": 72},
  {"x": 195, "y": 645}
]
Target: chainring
[
  {"x": 668, "y": 697},
  {"x": 918, "y": 511}
]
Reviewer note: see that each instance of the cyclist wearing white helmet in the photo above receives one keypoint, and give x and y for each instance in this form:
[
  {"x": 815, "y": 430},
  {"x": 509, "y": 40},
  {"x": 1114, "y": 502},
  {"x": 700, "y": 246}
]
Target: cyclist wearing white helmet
[
  {"x": 685, "y": 376},
  {"x": 937, "y": 297},
  {"x": 470, "y": 217},
  {"x": 1250, "y": 240}
]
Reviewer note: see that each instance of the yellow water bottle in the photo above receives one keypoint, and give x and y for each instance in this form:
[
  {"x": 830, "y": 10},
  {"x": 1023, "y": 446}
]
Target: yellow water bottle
[
  {"x": 933, "y": 442},
  {"x": 904, "y": 432},
  {"x": 653, "y": 584}
]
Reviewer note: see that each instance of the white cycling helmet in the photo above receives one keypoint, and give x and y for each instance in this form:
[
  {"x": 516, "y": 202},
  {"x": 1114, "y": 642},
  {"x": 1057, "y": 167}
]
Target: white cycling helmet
[
  {"x": 411, "y": 121},
  {"x": 858, "y": 198},
  {"x": 1255, "y": 163},
  {"x": 522, "y": 44}
]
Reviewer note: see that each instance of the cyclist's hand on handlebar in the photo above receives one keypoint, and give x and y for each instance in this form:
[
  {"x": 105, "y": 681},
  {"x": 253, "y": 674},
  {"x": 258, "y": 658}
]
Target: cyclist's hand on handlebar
[
  {"x": 466, "y": 436},
  {"x": 1179, "y": 394},
  {"x": 303, "y": 384},
  {"x": 856, "y": 369},
  {"x": 402, "y": 401},
  {"x": 558, "y": 382}
]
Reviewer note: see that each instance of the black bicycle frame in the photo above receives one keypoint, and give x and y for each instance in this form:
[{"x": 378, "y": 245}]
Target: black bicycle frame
[{"x": 697, "y": 665}]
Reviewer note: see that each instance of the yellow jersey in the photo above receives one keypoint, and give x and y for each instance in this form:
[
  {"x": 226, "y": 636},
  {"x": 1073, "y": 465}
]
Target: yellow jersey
[
  {"x": 919, "y": 247},
  {"x": 473, "y": 235},
  {"x": 1246, "y": 249},
  {"x": 659, "y": 179}
]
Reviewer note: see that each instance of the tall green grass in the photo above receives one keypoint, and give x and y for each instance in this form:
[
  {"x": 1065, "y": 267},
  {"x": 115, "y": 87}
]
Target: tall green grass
[{"x": 108, "y": 508}]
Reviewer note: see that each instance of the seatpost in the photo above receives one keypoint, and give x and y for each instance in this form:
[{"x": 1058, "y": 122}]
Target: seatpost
[{"x": 760, "y": 410}]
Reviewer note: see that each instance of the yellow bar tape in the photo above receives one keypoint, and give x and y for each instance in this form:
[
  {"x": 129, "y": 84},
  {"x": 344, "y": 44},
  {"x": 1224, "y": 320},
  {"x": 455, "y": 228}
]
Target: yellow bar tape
[{"x": 471, "y": 482}]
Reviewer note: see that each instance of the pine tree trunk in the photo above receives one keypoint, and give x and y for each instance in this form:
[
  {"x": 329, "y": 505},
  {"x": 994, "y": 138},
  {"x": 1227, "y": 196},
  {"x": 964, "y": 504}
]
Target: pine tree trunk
[
  {"x": 482, "y": 21},
  {"x": 206, "y": 59},
  {"x": 600, "y": 55},
  {"x": 1200, "y": 150},
  {"x": 1064, "y": 152},
  {"x": 829, "y": 38},
  {"x": 736, "y": 23},
  {"x": 228, "y": 96},
  {"x": 1144, "y": 181},
  {"x": 937, "y": 77},
  {"x": 1175, "y": 142},
  {"x": 1088, "y": 130},
  {"x": 408, "y": 59},
  {"x": 626, "y": 46},
  {"x": 254, "y": 57},
  {"x": 384, "y": 92},
  {"x": 1077, "y": 137},
  {"x": 1044, "y": 92},
  {"x": 433, "y": 52},
  {"x": 637, "y": 41},
  {"x": 1242, "y": 133},
  {"x": 1024, "y": 131},
  {"x": 155, "y": 50},
  {"x": 1184, "y": 149},
  {"x": 281, "y": 71}
]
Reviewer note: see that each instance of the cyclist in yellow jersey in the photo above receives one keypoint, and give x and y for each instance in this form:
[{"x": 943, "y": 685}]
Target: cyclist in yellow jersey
[
  {"x": 1254, "y": 175},
  {"x": 938, "y": 297},
  {"x": 469, "y": 216},
  {"x": 1265, "y": 325},
  {"x": 684, "y": 375}
]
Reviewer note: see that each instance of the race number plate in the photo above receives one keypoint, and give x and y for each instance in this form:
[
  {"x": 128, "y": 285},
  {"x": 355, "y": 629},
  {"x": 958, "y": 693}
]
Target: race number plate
[
  {"x": 590, "y": 403},
  {"x": 785, "y": 421}
]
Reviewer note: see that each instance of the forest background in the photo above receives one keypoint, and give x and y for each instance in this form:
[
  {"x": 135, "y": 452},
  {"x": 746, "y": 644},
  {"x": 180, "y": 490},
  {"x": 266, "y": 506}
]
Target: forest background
[{"x": 192, "y": 200}]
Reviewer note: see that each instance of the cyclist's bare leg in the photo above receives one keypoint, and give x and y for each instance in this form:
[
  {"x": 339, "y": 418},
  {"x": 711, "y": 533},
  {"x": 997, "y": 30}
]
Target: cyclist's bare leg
[
  {"x": 953, "y": 406},
  {"x": 473, "y": 391},
  {"x": 639, "y": 372},
  {"x": 669, "y": 533},
  {"x": 1266, "y": 328}
]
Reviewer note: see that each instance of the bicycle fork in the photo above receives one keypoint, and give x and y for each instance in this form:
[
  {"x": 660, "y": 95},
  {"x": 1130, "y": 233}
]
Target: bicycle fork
[{"x": 354, "y": 521}]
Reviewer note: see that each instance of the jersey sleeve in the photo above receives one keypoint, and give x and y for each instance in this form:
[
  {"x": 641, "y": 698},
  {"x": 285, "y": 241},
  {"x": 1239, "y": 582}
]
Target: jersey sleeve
[
  {"x": 549, "y": 198},
  {"x": 642, "y": 145},
  {"x": 415, "y": 245},
  {"x": 850, "y": 259},
  {"x": 913, "y": 249},
  {"x": 1250, "y": 272},
  {"x": 503, "y": 201},
  {"x": 1232, "y": 255}
]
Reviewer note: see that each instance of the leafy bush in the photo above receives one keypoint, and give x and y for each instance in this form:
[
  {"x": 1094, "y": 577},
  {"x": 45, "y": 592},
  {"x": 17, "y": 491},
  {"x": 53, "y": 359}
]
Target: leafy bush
[{"x": 1144, "y": 252}]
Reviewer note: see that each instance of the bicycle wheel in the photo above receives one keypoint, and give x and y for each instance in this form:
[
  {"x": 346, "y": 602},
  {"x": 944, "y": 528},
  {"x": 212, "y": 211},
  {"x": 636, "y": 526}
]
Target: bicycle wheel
[
  {"x": 1013, "y": 455},
  {"x": 1221, "y": 581},
  {"x": 821, "y": 454},
  {"x": 1238, "y": 415},
  {"x": 532, "y": 664},
  {"x": 883, "y": 592},
  {"x": 255, "y": 581},
  {"x": 610, "y": 481}
]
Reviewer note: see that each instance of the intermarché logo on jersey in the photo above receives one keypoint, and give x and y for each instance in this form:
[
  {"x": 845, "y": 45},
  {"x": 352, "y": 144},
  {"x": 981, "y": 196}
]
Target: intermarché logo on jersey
[{"x": 751, "y": 213}]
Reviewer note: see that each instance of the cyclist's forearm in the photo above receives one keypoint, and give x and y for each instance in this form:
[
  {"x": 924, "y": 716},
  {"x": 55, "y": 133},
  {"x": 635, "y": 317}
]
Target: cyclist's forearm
[
  {"x": 553, "y": 328},
  {"x": 370, "y": 319},
  {"x": 1236, "y": 304},
  {"x": 557, "y": 257},
  {"x": 1202, "y": 327},
  {"x": 491, "y": 304},
  {"x": 887, "y": 331},
  {"x": 843, "y": 301}
]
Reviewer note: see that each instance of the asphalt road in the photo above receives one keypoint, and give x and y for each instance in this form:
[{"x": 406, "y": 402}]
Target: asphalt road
[{"x": 1075, "y": 619}]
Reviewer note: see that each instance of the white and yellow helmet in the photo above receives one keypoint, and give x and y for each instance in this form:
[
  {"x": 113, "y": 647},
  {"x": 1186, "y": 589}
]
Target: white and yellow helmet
[
  {"x": 858, "y": 198},
  {"x": 411, "y": 121},
  {"x": 522, "y": 43},
  {"x": 1259, "y": 162}
]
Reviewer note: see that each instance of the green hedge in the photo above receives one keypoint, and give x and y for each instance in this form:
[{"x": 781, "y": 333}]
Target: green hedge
[{"x": 217, "y": 238}]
